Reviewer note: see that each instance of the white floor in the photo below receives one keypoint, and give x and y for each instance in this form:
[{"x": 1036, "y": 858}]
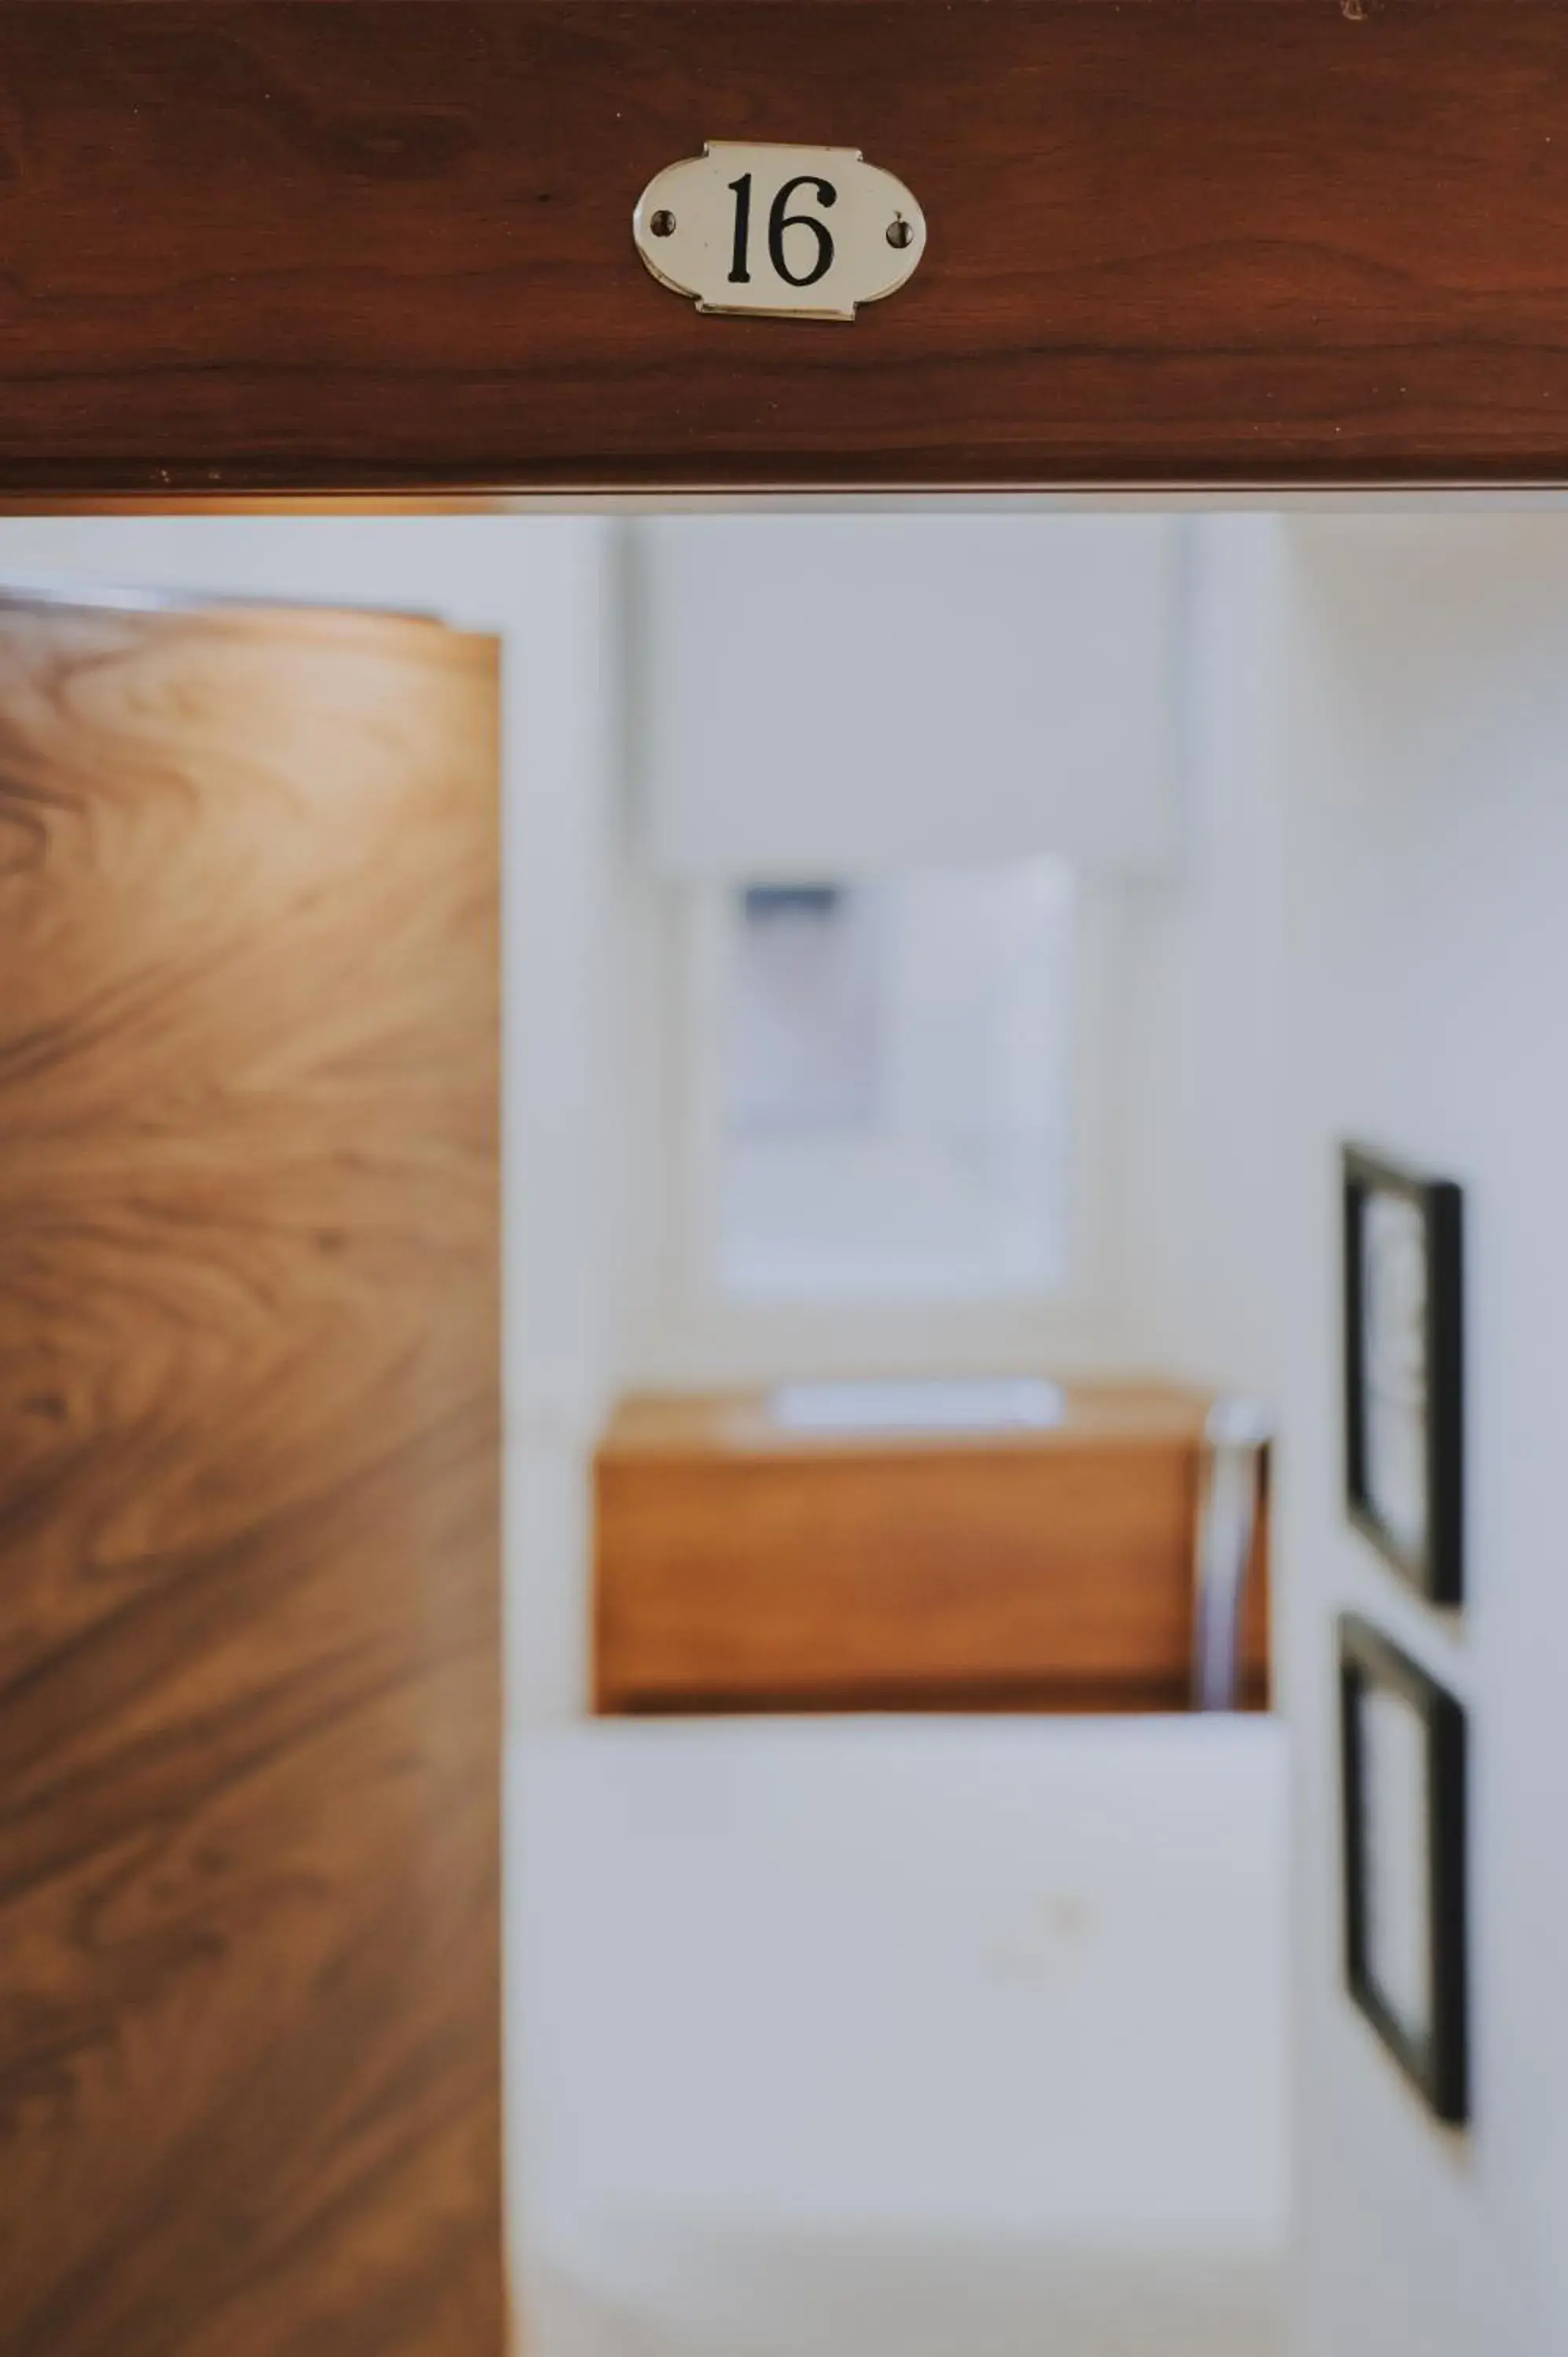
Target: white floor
[{"x": 900, "y": 2039}]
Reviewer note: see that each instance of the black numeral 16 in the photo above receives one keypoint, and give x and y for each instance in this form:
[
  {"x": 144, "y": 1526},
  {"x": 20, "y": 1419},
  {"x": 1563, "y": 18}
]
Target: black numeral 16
[{"x": 780, "y": 218}]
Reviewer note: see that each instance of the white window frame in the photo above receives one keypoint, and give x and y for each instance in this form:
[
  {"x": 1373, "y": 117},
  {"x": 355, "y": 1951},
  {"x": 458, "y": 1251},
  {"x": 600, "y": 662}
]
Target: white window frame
[{"x": 693, "y": 1330}]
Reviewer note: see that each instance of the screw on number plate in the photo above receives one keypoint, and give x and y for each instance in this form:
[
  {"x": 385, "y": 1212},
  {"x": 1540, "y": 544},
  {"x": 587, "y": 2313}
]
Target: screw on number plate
[
  {"x": 662, "y": 224},
  {"x": 899, "y": 233}
]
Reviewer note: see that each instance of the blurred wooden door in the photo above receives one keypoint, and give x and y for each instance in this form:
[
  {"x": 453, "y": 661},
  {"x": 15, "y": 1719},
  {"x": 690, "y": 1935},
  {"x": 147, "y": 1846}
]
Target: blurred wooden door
[{"x": 249, "y": 1728}]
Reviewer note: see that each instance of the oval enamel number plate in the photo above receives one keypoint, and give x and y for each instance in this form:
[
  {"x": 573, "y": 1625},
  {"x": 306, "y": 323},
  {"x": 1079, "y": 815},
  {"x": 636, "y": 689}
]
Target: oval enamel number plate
[{"x": 779, "y": 232}]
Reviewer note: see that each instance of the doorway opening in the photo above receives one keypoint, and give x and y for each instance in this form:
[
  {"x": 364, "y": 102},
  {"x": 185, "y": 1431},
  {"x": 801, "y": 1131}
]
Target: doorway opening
[{"x": 946, "y": 959}]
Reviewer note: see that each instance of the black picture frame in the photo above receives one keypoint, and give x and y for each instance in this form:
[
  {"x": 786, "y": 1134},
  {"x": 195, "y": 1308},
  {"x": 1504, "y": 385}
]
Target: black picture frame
[
  {"x": 1434, "y": 2057},
  {"x": 1434, "y": 1562}
]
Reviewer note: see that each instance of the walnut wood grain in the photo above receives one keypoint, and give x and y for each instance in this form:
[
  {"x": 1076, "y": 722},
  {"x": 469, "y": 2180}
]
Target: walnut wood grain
[
  {"x": 248, "y": 2051},
  {"x": 383, "y": 245},
  {"x": 743, "y": 1567}
]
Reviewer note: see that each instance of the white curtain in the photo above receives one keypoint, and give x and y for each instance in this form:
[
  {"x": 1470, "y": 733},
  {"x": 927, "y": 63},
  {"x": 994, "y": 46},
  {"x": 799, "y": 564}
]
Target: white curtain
[{"x": 818, "y": 695}]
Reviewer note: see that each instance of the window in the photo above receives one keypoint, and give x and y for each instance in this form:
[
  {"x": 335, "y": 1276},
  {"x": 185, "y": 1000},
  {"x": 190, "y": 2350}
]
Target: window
[{"x": 896, "y": 1085}]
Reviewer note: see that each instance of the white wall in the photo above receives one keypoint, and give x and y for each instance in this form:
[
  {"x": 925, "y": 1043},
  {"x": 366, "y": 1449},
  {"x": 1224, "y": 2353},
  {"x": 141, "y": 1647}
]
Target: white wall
[
  {"x": 1200, "y": 1224},
  {"x": 1424, "y": 731},
  {"x": 546, "y": 585},
  {"x": 1369, "y": 940}
]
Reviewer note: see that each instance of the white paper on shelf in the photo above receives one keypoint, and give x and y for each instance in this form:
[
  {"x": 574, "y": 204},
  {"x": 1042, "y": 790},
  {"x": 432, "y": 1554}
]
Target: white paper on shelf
[{"x": 921, "y": 1404}]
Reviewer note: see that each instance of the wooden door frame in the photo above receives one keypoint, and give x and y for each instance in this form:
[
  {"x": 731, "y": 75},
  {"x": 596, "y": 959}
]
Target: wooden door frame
[{"x": 380, "y": 247}]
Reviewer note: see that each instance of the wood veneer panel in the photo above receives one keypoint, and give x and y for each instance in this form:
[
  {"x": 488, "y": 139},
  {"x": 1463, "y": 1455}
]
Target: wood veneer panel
[
  {"x": 741, "y": 1567},
  {"x": 385, "y": 244},
  {"x": 249, "y": 2046}
]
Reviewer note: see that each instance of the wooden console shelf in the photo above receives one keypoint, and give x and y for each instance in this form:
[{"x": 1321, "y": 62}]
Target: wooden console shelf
[{"x": 744, "y": 1567}]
